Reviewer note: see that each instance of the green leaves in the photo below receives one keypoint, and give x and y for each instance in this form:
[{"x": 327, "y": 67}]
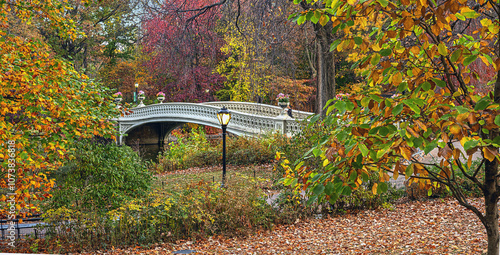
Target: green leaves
[
  {"x": 439, "y": 82},
  {"x": 383, "y": 3},
  {"x": 382, "y": 187},
  {"x": 318, "y": 189},
  {"x": 455, "y": 55},
  {"x": 385, "y": 52},
  {"x": 358, "y": 40},
  {"x": 469, "y": 60},
  {"x": 497, "y": 120},
  {"x": 397, "y": 109},
  {"x": 363, "y": 149},
  {"x": 375, "y": 59},
  {"x": 482, "y": 104}
]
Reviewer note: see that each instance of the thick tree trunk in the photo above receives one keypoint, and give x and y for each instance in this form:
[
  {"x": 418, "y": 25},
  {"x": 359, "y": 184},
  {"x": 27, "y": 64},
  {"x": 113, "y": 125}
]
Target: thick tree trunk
[
  {"x": 491, "y": 189},
  {"x": 491, "y": 183},
  {"x": 491, "y": 223},
  {"x": 325, "y": 80}
]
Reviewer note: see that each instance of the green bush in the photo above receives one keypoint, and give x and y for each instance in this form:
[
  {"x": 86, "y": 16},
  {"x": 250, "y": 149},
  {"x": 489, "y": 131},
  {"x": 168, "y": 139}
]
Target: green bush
[
  {"x": 298, "y": 145},
  {"x": 99, "y": 177}
]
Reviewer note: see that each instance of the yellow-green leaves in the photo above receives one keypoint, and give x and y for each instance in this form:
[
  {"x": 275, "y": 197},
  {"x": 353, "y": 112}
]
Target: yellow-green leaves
[
  {"x": 468, "y": 13},
  {"x": 442, "y": 49},
  {"x": 375, "y": 59}
]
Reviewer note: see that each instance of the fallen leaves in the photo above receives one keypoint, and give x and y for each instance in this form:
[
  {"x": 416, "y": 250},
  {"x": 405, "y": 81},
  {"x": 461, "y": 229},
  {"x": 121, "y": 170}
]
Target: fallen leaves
[{"x": 439, "y": 226}]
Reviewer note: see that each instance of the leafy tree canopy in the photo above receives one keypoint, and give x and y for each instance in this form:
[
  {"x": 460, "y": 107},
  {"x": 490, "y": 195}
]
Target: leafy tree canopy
[
  {"x": 423, "y": 50},
  {"x": 45, "y": 105}
]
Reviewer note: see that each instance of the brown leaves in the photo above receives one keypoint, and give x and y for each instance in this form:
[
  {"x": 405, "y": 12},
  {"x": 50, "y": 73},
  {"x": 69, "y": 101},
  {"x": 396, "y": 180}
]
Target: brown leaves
[{"x": 431, "y": 227}]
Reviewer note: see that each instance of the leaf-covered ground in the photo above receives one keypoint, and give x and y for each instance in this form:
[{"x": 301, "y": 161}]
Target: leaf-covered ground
[{"x": 438, "y": 226}]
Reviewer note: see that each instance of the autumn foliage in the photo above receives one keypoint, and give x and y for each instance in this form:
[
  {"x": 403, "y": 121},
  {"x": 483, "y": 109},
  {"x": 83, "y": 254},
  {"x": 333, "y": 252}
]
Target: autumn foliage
[
  {"x": 423, "y": 52},
  {"x": 182, "y": 51},
  {"x": 45, "y": 105}
]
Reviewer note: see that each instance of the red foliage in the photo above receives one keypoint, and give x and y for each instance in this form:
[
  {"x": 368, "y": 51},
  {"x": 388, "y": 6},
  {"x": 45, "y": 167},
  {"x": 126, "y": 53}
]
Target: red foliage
[{"x": 183, "y": 50}]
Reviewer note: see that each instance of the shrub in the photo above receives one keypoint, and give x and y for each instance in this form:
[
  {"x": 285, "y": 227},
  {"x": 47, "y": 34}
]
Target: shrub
[
  {"x": 197, "y": 151},
  {"x": 199, "y": 210},
  {"x": 99, "y": 177},
  {"x": 466, "y": 186}
]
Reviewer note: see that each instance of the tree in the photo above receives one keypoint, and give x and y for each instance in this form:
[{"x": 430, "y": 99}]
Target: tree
[
  {"x": 245, "y": 70},
  {"x": 423, "y": 51},
  {"x": 45, "y": 106},
  {"x": 110, "y": 28},
  {"x": 269, "y": 39},
  {"x": 183, "y": 50}
]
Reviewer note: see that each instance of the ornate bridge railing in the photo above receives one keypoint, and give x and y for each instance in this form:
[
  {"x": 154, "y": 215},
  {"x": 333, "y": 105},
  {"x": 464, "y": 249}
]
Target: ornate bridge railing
[
  {"x": 257, "y": 109},
  {"x": 246, "y": 118}
]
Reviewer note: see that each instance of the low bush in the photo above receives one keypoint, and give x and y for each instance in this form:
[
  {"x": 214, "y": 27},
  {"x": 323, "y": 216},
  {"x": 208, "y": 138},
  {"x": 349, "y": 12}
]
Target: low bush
[
  {"x": 467, "y": 187},
  {"x": 99, "y": 177},
  {"x": 199, "y": 210},
  {"x": 196, "y": 151}
]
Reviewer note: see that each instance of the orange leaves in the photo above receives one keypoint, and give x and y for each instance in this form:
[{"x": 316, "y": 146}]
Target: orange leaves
[
  {"x": 455, "y": 129},
  {"x": 412, "y": 131},
  {"x": 406, "y": 152},
  {"x": 42, "y": 116},
  {"x": 490, "y": 153}
]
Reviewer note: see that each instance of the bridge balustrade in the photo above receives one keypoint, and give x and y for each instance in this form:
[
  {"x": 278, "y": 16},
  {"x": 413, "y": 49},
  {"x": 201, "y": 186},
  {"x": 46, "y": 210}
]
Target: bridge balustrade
[{"x": 246, "y": 118}]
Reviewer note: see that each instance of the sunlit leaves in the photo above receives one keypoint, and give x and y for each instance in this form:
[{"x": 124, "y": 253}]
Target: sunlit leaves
[
  {"x": 422, "y": 51},
  {"x": 45, "y": 106}
]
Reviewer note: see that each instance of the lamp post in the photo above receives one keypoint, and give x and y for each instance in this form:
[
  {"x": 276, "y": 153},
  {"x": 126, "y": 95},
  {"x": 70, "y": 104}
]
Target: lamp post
[
  {"x": 135, "y": 94},
  {"x": 224, "y": 116}
]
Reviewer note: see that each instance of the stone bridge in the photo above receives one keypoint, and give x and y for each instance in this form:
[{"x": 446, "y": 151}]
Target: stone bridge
[{"x": 150, "y": 124}]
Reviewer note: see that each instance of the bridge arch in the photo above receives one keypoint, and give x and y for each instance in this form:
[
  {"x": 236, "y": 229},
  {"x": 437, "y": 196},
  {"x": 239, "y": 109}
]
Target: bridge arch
[{"x": 247, "y": 118}]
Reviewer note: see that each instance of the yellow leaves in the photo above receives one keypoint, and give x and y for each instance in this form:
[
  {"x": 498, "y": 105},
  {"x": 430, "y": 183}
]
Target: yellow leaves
[
  {"x": 486, "y": 22},
  {"x": 468, "y": 13},
  {"x": 326, "y": 162},
  {"x": 374, "y": 188},
  {"x": 455, "y": 129},
  {"x": 442, "y": 49},
  {"x": 362, "y": 22},
  {"x": 323, "y": 20},
  {"x": 490, "y": 153}
]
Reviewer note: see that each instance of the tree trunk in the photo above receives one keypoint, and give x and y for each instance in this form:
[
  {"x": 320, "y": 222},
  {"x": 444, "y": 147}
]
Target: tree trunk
[
  {"x": 491, "y": 189},
  {"x": 325, "y": 69},
  {"x": 325, "y": 80},
  {"x": 491, "y": 183},
  {"x": 491, "y": 223}
]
